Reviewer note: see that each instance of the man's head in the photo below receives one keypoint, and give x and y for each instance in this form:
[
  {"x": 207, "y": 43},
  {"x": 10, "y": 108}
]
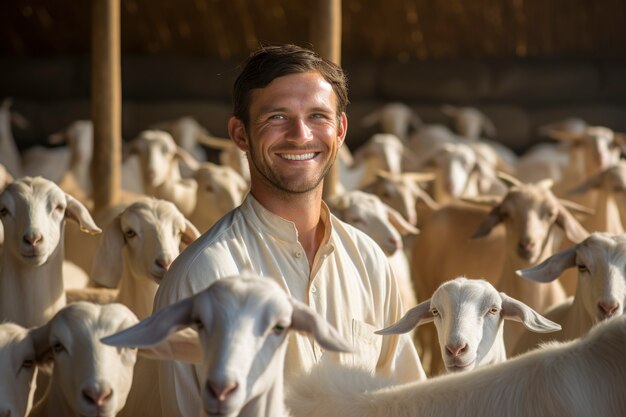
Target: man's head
[{"x": 270, "y": 62}]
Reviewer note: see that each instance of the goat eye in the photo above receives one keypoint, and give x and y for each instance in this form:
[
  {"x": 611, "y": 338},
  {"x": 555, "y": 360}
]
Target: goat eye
[
  {"x": 58, "y": 347},
  {"x": 129, "y": 234},
  {"x": 59, "y": 208},
  {"x": 278, "y": 329},
  {"x": 582, "y": 268},
  {"x": 28, "y": 363},
  {"x": 494, "y": 310},
  {"x": 4, "y": 211},
  {"x": 198, "y": 324},
  {"x": 434, "y": 312}
]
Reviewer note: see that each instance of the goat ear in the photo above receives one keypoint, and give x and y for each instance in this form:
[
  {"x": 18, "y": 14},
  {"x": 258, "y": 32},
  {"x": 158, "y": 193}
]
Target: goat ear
[
  {"x": 493, "y": 219},
  {"x": 190, "y": 233},
  {"x": 513, "y": 309},
  {"x": 574, "y": 231},
  {"x": 400, "y": 223},
  {"x": 187, "y": 158},
  {"x": 108, "y": 260},
  {"x": 154, "y": 329},
  {"x": 420, "y": 314},
  {"x": 183, "y": 346},
  {"x": 77, "y": 212},
  {"x": 306, "y": 320},
  {"x": 551, "y": 268},
  {"x": 43, "y": 351}
]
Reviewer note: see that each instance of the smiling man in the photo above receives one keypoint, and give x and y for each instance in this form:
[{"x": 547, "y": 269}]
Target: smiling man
[{"x": 289, "y": 117}]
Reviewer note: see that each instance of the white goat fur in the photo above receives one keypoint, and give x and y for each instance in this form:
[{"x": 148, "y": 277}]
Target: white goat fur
[
  {"x": 381, "y": 152},
  {"x": 601, "y": 290},
  {"x": 220, "y": 189},
  {"x": 243, "y": 324},
  {"x": 395, "y": 118},
  {"x": 386, "y": 227},
  {"x": 469, "y": 315},
  {"x": 580, "y": 378},
  {"x": 89, "y": 378},
  {"x": 159, "y": 160},
  {"x": 9, "y": 154},
  {"x": 137, "y": 248},
  {"x": 17, "y": 379},
  {"x": 33, "y": 213}
]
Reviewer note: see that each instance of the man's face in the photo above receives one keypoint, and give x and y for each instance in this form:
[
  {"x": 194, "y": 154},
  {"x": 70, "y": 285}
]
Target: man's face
[{"x": 293, "y": 134}]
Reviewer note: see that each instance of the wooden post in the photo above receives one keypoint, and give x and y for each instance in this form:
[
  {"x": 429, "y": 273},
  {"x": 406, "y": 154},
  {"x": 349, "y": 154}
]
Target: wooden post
[
  {"x": 106, "y": 103},
  {"x": 326, "y": 40}
]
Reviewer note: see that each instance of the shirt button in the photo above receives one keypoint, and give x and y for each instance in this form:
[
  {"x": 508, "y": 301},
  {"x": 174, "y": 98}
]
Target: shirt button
[
  {"x": 298, "y": 254},
  {"x": 313, "y": 289}
]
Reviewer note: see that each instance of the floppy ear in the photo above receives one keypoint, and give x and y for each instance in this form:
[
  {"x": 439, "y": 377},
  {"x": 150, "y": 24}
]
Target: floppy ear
[
  {"x": 306, "y": 320},
  {"x": 420, "y": 314},
  {"x": 400, "y": 223},
  {"x": 190, "y": 233},
  {"x": 43, "y": 350},
  {"x": 77, "y": 212},
  {"x": 155, "y": 328},
  {"x": 513, "y": 309},
  {"x": 108, "y": 260},
  {"x": 493, "y": 219},
  {"x": 574, "y": 231},
  {"x": 551, "y": 268}
]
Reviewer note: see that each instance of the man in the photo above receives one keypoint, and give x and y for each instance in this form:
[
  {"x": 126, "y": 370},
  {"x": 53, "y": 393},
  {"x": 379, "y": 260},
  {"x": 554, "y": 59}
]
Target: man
[{"x": 289, "y": 117}]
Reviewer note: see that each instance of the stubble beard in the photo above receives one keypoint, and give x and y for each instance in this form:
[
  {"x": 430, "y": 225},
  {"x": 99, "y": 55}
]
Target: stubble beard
[{"x": 285, "y": 187}]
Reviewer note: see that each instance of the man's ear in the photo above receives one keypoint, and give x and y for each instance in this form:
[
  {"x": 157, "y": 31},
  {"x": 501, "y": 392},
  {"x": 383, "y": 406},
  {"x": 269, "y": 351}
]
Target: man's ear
[
  {"x": 237, "y": 132},
  {"x": 342, "y": 129}
]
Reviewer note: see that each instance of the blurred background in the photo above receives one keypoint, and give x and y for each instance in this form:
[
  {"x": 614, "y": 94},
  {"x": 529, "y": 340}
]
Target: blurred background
[{"x": 522, "y": 62}]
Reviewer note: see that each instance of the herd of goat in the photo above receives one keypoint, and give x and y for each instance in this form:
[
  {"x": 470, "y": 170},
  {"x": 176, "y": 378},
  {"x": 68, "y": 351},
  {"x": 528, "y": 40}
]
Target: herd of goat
[{"x": 519, "y": 261}]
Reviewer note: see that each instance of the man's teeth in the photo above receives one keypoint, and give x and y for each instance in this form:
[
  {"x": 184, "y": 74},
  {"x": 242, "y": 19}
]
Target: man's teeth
[{"x": 301, "y": 157}]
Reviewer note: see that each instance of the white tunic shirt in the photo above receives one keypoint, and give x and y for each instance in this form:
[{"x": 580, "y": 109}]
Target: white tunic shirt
[{"x": 349, "y": 283}]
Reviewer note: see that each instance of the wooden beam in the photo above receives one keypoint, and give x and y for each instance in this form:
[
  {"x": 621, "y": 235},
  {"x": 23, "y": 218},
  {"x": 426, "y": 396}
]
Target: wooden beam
[
  {"x": 326, "y": 40},
  {"x": 106, "y": 103}
]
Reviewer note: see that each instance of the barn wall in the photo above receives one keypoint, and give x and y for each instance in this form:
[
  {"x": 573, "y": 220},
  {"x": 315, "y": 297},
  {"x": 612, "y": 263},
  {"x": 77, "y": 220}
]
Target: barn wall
[{"x": 517, "y": 95}]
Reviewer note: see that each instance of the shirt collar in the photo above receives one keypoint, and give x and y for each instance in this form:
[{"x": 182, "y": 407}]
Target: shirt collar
[{"x": 277, "y": 226}]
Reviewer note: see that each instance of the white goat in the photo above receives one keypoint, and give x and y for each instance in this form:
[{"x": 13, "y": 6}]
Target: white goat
[
  {"x": 186, "y": 132},
  {"x": 242, "y": 324},
  {"x": 395, "y": 118},
  {"x": 220, "y": 189},
  {"x": 135, "y": 251},
  {"x": 581, "y": 378},
  {"x": 469, "y": 315},
  {"x": 403, "y": 192},
  {"x": 523, "y": 228},
  {"x": 17, "y": 361},
  {"x": 137, "y": 248},
  {"x": 381, "y": 152},
  {"x": 89, "y": 378},
  {"x": 601, "y": 290},
  {"x": 158, "y": 157},
  {"x": 33, "y": 213},
  {"x": 230, "y": 155},
  {"x": 58, "y": 163},
  {"x": 385, "y": 226},
  {"x": 460, "y": 171},
  {"x": 9, "y": 154}
]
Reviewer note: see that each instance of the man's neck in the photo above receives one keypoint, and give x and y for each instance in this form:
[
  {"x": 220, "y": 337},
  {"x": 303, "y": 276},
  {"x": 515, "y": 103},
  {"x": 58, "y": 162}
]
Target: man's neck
[{"x": 304, "y": 210}]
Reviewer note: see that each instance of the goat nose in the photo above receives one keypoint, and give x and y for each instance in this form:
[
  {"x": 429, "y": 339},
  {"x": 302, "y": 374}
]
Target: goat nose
[
  {"x": 525, "y": 245},
  {"x": 608, "y": 308},
  {"x": 163, "y": 263},
  {"x": 33, "y": 239},
  {"x": 98, "y": 395},
  {"x": 221, "y": 391},
  {"x": 457, "y": 350}
]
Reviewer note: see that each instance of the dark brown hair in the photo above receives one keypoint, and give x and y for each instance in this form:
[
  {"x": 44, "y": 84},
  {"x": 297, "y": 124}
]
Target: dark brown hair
[{"x": 270, "y": 62}]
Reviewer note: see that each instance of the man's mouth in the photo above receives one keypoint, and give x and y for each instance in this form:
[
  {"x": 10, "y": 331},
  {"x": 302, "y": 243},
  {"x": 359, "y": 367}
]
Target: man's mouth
[{"x": 299, "y": 157}]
